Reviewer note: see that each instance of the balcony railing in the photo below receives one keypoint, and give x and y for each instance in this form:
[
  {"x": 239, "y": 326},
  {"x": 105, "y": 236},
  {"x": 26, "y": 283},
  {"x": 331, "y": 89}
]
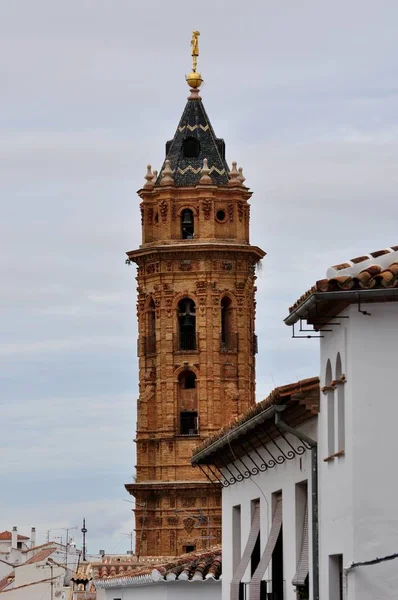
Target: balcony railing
[
  {"x": 186, "y": 341},
  {"x": 229, "y": 342}
]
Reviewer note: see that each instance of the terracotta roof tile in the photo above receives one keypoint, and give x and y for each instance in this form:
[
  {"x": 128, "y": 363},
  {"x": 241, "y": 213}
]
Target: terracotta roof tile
[
  {"x": 188, "y": 566},
  {"x": 7, "y": 535},
  {"x": 41, "y": 555},
  {"x": 371, "y": 278},
  {"x": 7, "y": 580}
]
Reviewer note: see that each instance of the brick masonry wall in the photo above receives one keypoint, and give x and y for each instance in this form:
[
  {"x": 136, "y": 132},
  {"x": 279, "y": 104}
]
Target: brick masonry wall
[{"x": 217, "y": 262}]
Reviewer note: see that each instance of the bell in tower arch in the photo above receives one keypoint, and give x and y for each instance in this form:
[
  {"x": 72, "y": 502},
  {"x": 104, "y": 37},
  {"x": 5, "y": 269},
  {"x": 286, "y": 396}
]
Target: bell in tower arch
[{"x": 187, "y": 224}]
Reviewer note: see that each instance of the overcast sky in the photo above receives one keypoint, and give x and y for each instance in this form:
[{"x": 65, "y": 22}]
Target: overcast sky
[{"x": 305, "y": 96}]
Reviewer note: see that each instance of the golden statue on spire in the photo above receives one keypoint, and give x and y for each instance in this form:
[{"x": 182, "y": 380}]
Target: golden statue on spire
[
  {"x": 194, "y": 79},
  {"x": 195, "y": 49}
]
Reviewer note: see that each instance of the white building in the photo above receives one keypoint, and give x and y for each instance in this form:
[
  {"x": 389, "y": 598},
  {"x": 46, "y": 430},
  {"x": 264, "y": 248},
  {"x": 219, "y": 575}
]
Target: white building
[
  {"x": 266, "y": 474},
  {"x": 36, "y": 572},
  {"x": 13, "y": 547},
  {"x": 350, "y": 541}
]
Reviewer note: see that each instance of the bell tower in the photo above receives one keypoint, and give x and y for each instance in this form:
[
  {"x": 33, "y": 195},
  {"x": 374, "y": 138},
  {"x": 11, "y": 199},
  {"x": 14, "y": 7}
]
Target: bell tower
[{"x": 196, "y": 344}]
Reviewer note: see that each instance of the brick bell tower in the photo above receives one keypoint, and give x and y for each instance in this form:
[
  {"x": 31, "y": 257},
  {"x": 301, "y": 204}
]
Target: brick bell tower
[{"x": 196, "y": 340}]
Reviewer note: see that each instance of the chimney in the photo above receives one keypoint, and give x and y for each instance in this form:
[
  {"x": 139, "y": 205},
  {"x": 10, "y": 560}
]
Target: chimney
[
  {"x": 14, "y": 537},
  {"x": 33, "y": 537}
]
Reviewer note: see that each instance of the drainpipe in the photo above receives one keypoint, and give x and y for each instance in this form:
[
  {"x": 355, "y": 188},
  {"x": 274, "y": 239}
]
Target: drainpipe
[{"x": 280, "y": 424}]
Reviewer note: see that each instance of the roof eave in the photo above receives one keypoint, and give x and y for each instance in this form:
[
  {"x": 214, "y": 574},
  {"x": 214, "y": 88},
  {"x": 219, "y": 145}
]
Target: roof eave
[{"x": 350, "y": 296}]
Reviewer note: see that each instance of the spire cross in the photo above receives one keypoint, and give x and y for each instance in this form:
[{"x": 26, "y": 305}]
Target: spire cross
[{"x": 195, "y": 49}]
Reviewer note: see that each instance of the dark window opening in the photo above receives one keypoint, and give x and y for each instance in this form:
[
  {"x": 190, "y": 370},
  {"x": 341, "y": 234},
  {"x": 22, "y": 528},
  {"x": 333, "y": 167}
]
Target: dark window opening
[
  {"x": 187, "y": 224},
  {"x": 19, "y": 545},
  {"x": 228, "y": 339},
  {"x": 187, "y": 324},
  {"x": 188, "y": 549},
  {"x": 156, "y": 218},
  {"x": 277, "y": 568},
  {"x": 190, "y": 147},
  {"x": 188, "y": 381},
  {"x": 151, "y": 329},
  {"x": 188, "y": 423},
  {"x": 255, "y": 555},
  {"x": 220, "y": 215}
]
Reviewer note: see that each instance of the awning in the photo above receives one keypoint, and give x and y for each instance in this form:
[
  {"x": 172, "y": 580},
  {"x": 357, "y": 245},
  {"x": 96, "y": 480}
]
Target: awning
[
  {"x": 246, "y": 556},
  {"x": 267, "y": 554},
  {"x": 303, "y": 563}
]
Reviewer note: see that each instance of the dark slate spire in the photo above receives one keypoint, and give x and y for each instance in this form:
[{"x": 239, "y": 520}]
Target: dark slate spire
[{"x": 195, "y": 140}]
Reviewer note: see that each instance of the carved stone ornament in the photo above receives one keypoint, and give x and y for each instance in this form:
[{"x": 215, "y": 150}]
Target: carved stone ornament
[
  {"x": 148, "y": 393},
  {"x": 163, "y": 208},
  {"x": 188, "y": 502},
  {"x": 173, "y": 210},
  {"x": 231, "y": 212},
  {"x": 189, "y": 523},
  {"x": 231, "y": 391},
  {"x": 150, "y": 215},
  {"x": 172, "y": 520},
  {"x": 142, "y": 212},
  {"x": 185, "y": 265},
  {"x": 240, "y": 210},
  {"x": 206, "y": 207},
  {"x": 201, "y": 286}
]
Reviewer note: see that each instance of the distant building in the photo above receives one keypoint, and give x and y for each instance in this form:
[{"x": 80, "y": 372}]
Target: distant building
[
  {"x": 309, "y": 500},
  {"x": 33, "y": 572}
]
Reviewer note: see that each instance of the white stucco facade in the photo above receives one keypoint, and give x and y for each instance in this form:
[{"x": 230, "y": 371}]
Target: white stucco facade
[
  {"x": 166, "y": 590},
  {"x": 357, "y": 491},
  {"x": 285, "y": 479}
]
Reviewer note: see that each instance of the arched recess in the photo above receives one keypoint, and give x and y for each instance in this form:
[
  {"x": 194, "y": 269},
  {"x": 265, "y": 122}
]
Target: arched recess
[
  {"x": 187, "y": 403},
  {"x": 340, "y": 405},
  {"x": 186, "y": 315},
  {"x": 229, "y": 337},
  {"x": 187, "y": 224},
  {"x": 330, "y": 408},
  {"x": 150, "y": 338}
]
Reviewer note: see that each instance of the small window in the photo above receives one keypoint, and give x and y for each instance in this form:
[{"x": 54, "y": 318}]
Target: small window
[
  {"x": 189, "y": 423},
  {"x": 191, "y": 147},
  {"x": 156, "y": 218},
  {"x": 187, "y": 224},
  {"x": 188, "y": 549},
  {"x": 220, "y": 215},
  {"x": 19, "y": 545},
  {"x": 188, "y": 381}
]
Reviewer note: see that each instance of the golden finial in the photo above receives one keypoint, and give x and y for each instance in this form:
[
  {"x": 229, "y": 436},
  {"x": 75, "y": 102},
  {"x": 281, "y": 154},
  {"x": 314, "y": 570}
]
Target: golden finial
[{"x": 194, "y": 79}]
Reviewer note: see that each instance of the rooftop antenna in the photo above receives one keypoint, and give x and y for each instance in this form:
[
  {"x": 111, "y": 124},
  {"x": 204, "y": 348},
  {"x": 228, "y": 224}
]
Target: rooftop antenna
[{"x": 84, "y": 531}]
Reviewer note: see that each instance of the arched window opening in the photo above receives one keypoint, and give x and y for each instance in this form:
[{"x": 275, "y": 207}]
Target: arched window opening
[
  {"x": 330, "y": 409},
  {"x": 340, "y": 405},
  {"x": 191, "y": 147},
  {"x": 188, "y": 417},
  {"x": 187, "y": 224},
  {"x": 228, "y": 338},
  {"x": 188, "y": 380},
  {"x": 187, "y": 325},
  {"x": 150, "y": 340}
]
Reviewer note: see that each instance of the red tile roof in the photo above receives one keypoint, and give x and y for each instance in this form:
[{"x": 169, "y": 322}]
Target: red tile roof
[
  {"x": 7, "y": 580},
  {"x": 189, "y": 566},
  {"x": 7, "y": 535},
  {"x": 41, "y": 555},
  {"x": 371, "y": 278}
]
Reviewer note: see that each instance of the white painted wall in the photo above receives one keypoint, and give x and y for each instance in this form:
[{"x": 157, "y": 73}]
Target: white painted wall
[
  {"x": 169, "y": 590},
  {"x": 281, "y": 478},
  {"x": 357, "y": 503}
]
